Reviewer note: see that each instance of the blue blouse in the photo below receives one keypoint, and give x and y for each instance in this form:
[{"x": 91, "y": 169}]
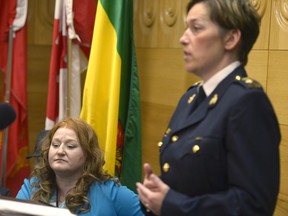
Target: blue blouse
[{"x": 105, "y": 198}]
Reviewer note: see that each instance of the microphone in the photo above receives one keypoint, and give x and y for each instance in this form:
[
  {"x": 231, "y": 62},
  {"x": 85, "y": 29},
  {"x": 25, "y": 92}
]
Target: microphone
[{"x": 7, "y": 115}]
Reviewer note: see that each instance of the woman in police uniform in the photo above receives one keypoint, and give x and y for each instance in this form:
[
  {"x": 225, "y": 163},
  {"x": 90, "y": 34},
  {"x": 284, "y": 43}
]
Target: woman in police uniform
[{"x": 219, "y": 155}]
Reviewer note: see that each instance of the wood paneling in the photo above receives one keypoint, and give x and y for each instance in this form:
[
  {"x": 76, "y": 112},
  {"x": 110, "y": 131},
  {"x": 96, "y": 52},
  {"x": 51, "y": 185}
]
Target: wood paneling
[
  {"x": 40, "y": 21},
  {"x": 158, "y": 23},
  {"x": 264, "y": 8},
  {"x": 162, "y": 75},
  {"x": 257, "y": 66},
  {"x": 279, "y": 25},
  {"x": 37, "y": 86},
  {"x": 277, "y": 84}
]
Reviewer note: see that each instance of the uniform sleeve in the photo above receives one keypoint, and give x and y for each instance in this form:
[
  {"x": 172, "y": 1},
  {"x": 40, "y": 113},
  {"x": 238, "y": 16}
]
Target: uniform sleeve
[
  {"x": 252, "y": 144},
  {"x": 25, "y": 191},
  {"x": 126, "y": 202}
]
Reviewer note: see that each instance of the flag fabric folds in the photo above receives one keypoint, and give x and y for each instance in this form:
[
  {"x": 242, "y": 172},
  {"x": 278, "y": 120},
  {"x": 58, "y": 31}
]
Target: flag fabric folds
[
  {"x": 13, "y": 14},
  {"x": 73, "y": 20},
  {"x": 111, "y": 99}
]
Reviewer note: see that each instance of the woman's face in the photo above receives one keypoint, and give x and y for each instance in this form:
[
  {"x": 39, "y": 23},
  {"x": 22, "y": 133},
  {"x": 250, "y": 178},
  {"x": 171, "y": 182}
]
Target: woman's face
[
  {"x": 204, "y": 50},
  {"x": 66, "y": 156}
]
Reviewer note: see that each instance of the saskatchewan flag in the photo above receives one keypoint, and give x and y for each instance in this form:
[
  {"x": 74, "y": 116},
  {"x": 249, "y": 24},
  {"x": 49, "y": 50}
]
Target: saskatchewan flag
[{"x": 111, "y": 99}]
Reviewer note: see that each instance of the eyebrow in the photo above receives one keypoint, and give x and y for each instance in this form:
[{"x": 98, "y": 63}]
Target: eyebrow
[
  {"x": 196, "y": 19},
  {"x": 68, "y": 140}
]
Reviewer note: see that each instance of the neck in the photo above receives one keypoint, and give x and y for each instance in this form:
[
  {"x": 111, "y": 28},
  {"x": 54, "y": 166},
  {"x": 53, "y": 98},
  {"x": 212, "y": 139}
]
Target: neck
[{"x": 65, "y": 185}]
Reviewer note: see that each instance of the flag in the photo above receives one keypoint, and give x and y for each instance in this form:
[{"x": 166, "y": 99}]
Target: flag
[
  {"x": 13, "y": 15},
  {"x": 111, "y": 99},
  {"x": 72, "y": 20}
]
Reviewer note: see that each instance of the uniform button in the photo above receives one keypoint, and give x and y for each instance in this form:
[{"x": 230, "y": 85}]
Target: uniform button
[
  {"x": 238, "y": 77},
  {"x": 174, "y": 138},
  {"x": 195, "y": 148},
  {"x": 160, "y": 144},
  {"x": 166, "y": 167}
]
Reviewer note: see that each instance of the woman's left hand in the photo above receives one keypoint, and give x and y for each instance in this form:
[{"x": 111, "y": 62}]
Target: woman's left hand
[{"x": 152, "y": 192}]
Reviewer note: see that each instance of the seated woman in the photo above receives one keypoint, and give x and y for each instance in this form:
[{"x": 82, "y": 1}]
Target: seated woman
[{"x": 70, "y": 174}]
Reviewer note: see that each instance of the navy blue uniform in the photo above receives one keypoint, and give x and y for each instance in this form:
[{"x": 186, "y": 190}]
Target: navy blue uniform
[{"x": 222, "y": 158}]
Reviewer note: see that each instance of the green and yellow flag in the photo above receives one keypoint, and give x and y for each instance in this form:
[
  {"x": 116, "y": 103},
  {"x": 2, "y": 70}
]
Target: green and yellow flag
[{"x": 111, "y": 99}]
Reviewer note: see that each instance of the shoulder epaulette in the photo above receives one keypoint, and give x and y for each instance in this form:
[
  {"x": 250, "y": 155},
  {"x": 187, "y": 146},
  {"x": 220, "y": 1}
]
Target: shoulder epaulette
[
  {"x": 194, "y": 85},
  {"x": 248, "y": 82}
]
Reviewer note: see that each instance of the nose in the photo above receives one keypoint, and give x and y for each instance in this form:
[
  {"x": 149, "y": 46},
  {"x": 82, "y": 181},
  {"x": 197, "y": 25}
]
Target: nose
[
  {"x": 183, "y": 38},
  {"x": 61, "y": 150}
]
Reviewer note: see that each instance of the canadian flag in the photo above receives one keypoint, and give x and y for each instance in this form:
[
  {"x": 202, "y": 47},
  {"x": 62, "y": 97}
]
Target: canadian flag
[{"x": 72, "y": 36}]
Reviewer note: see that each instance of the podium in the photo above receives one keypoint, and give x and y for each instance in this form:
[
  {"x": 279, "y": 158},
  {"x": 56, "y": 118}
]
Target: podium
[{"x": 15, "y": 207}]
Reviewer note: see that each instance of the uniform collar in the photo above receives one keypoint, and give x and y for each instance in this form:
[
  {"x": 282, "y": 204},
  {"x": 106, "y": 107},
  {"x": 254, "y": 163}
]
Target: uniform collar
[{"x": 213, "y": 82}]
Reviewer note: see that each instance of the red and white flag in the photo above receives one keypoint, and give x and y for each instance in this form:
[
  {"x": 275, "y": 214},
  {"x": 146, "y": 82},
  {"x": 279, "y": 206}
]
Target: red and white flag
[
  {"x": 72, "y": 20},
  {"x": 13, "y": 14}
]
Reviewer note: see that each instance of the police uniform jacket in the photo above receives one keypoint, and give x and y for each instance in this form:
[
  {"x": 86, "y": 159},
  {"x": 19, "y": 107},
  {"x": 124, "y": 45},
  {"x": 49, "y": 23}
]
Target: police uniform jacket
[{"x": 222, "y": 158}]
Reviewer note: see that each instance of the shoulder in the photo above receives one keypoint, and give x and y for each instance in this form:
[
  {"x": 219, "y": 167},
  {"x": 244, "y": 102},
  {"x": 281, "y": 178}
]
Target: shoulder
[
  {"x": 194, "y": 86},
  {"x": 247, "y": 82},
  {"x": 25, "y": 190},
  {"x": 110, "y": 188}
]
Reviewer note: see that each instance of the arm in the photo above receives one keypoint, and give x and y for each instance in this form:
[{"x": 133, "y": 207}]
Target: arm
[
  {"x": 25, "y": 191},
  {"x": 126, "y": 202}
]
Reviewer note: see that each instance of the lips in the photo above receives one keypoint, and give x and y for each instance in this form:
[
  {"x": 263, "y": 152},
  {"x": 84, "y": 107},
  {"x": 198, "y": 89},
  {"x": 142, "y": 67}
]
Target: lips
[
  {"x": 186, "y": 54},
  {"x": 60, "y": 160}
]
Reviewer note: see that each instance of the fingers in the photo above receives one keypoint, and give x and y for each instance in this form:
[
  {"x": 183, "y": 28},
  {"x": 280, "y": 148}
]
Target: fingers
[
  {"x": 152, "y": 196},
  {"x": 142, "y": 192},
  {"x": 147, "y": 170}
]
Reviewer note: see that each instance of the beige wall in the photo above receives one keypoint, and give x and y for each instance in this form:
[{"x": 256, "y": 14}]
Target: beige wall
[{"x": 158, "y": 26}]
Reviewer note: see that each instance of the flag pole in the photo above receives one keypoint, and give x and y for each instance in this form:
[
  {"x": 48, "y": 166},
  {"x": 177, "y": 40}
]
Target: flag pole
[
  {"x": 69, "y": 68},
  {"x": 7, "y": 99}
]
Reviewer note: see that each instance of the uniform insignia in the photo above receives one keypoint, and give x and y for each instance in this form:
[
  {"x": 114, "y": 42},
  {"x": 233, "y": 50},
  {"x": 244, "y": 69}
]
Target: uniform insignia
[
  {"x": 191, "y": 98},
  {"x": 194, "y": 85},
  {"x": 251, "y": 83},
  {"x": 197, "y": 83},
  {"x": 214, "y": 99},
  {"x": 248, "y": 82}
]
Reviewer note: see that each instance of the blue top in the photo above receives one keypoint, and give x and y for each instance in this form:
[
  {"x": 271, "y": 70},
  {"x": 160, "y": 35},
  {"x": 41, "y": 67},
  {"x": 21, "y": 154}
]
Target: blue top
[{"x": 105, "y": 199}]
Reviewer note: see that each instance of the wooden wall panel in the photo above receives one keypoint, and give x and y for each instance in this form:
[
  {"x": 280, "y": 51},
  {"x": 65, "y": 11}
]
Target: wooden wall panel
[
  {"x": 37, "y": 87},
  {"x": 263, "y": 7},
  {"x": 162, "y": 75},
  {"x": 159, "y": 23},
  {"x": 257, "y": 66},
  {"x": 277, "y": 83},
  {"x": 279, "y": 25},
  {"x": 40, "y": 21}
]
